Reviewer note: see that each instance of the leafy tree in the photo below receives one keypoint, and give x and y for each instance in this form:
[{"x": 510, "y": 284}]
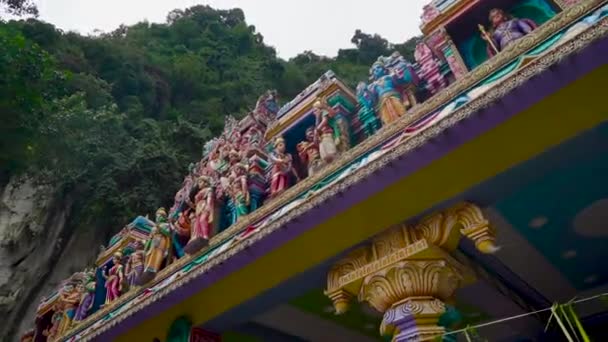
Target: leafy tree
[
  {"x": 115, "y": 119},
  {"x": 27, "y": 79},
  {"x": 369, "y": 47},
  {"x": 19, "y": 7}
]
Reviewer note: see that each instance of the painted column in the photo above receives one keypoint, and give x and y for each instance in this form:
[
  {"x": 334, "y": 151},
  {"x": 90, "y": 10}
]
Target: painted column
[
  {"x": 440, "y": 42},
  {"x": 408, "y": 274}
]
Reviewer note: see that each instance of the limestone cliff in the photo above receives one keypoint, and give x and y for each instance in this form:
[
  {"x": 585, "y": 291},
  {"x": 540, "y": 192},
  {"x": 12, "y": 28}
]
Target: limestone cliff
[{"x": 38, "y": 249}]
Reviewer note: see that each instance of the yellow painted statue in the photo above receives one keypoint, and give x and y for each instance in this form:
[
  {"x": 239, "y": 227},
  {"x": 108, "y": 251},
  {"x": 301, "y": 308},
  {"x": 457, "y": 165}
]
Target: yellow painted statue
[{"x": 157, "y": 247}]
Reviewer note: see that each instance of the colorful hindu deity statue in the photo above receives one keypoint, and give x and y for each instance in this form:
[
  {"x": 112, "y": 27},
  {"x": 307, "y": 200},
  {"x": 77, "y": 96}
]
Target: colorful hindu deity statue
[
  {"x": 218, "y": 158},
  {"x": 69, "y": 299},
  {"x": 366, "y": 113},
  {"x": 385, "y": 87},
  {"x": 157, "y": 247},
  {"x": 53, "y": 332},
  {"x": 86, "y": 289},
  {"x": 332, "y": 120},
  {"x": 114, "y": 278},
  {"x": 327, "y": 142},
  {"x": 204, "y": 218},
  {"x": 266, "y": 108},
  {"x": 308, "y": 151},
  {"x": 505, "y": 30},
  {"x": 282, "y": 168},
  {"x": 182, "y": 226},
  {"x": 135, "y": 264},
  {"x": 239, "y": 190},
  {"x": 234, "y": 157}
]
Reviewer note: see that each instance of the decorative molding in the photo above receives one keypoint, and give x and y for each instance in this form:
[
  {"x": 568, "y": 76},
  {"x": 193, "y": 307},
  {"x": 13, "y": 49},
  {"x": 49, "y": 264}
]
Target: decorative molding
[{"x": 533, "y": 68}]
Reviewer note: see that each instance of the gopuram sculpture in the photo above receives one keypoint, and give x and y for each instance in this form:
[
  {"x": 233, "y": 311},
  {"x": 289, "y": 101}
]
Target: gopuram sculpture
[
  {"x": 204, "y": 216},
  {"x": 282, "y": 171},
  {"x": 309, "y": 153},
  {"x": 86, "y": 289},
  {"x": 239, "y": 190},
  {"x": 135, "y": 264},
  {"x": 69, "y": 299},
  {"x": 157, "y": 248},
  {"x": 392, "y": 80},
  {"x": 367, "y": 113},
  {"x": 115, "y": 278},
  {"x": 408, "y": 273},
  {"x": 505, "y": 30},
  {"x": 328, "y": 137}
]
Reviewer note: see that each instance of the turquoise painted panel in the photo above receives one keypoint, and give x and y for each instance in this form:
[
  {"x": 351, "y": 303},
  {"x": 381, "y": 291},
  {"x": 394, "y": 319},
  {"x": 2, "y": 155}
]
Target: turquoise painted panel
[{"x": 559, "y": 197}]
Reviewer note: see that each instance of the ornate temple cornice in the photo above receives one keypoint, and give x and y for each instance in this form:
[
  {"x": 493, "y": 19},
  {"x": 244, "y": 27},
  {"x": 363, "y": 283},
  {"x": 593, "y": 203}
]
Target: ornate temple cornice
[
  {"x": 528, "y": 69},
  {"x": 305, "y": 105}
]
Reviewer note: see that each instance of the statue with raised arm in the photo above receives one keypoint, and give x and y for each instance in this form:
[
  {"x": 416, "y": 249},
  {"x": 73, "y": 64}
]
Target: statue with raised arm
[
  {"x": 386, "y": 87},
  {"x": 327, "y": 140},
  {"x": 308, "y": 151},
  {"x": 505, "y": 30},
  {"x": 157, "y": 247}
]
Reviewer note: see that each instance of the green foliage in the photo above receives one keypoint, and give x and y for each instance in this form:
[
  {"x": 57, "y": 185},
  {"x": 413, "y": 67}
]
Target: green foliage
[
  {"x": 27, "y": 76},
  {"x": 114, "y": 120},
  {"x": 19, "y": 7}
]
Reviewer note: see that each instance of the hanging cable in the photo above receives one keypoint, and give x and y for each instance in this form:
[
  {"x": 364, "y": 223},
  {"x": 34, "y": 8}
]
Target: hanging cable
[{"x": 551, "y": 308}]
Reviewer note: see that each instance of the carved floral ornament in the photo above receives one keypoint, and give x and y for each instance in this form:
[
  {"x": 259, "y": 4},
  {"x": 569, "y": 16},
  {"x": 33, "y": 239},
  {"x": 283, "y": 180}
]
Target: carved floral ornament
[{"x": 409, "y": 267}]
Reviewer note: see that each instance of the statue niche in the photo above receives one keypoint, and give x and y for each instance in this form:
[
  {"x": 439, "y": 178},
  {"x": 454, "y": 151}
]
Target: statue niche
[{"x": 505, "y": 30}]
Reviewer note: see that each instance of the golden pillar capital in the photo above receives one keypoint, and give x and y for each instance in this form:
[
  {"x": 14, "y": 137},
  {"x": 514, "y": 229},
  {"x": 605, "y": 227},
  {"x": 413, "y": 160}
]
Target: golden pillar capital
[
  {"x": 341, "y": 300},
  {"x": 438, "y": 278},
  {"x": 446, "y": 228},
  {"x": 408, "y": 274}
]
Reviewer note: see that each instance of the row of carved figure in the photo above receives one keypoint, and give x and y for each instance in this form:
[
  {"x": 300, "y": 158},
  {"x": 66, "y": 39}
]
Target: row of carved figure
[
  {"x": 130, "y": 268},
  {"x": 73, "y": 305},
  {"x": 240, "y": 170}
]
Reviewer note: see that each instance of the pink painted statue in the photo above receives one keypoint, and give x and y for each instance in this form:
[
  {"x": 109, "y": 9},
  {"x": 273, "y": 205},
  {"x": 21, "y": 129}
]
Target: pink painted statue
[
  {"x": 114, "y": 279},
  {"x": 282, "y": 168},
  {"x": 204, "y": 216}
]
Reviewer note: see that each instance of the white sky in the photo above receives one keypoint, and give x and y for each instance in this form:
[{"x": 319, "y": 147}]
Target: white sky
[{"x": 291, "y": 26}]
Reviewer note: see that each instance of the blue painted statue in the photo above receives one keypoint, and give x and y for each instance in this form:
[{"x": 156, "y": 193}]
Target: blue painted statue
[
  {"x": 386, "y": 88},
  {"x": 505, "y": 30},
  {"x": 367, "y": 114}
]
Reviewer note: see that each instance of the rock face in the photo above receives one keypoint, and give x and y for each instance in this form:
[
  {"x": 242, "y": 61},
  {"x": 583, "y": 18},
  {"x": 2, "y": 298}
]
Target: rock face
[{"x": 38, "y": 249}]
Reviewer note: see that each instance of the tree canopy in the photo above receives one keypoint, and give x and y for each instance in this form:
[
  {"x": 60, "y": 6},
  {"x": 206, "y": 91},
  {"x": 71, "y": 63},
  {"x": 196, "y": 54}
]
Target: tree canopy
[{"x": 113, "y": 120}]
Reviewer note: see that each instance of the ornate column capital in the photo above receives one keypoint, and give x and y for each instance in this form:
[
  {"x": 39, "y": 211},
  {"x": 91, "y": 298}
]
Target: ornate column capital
[
  {"x": 407, "y": 272},
  {"x": 341, "y": 300},
  {"x": 438, "y": 278}
]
